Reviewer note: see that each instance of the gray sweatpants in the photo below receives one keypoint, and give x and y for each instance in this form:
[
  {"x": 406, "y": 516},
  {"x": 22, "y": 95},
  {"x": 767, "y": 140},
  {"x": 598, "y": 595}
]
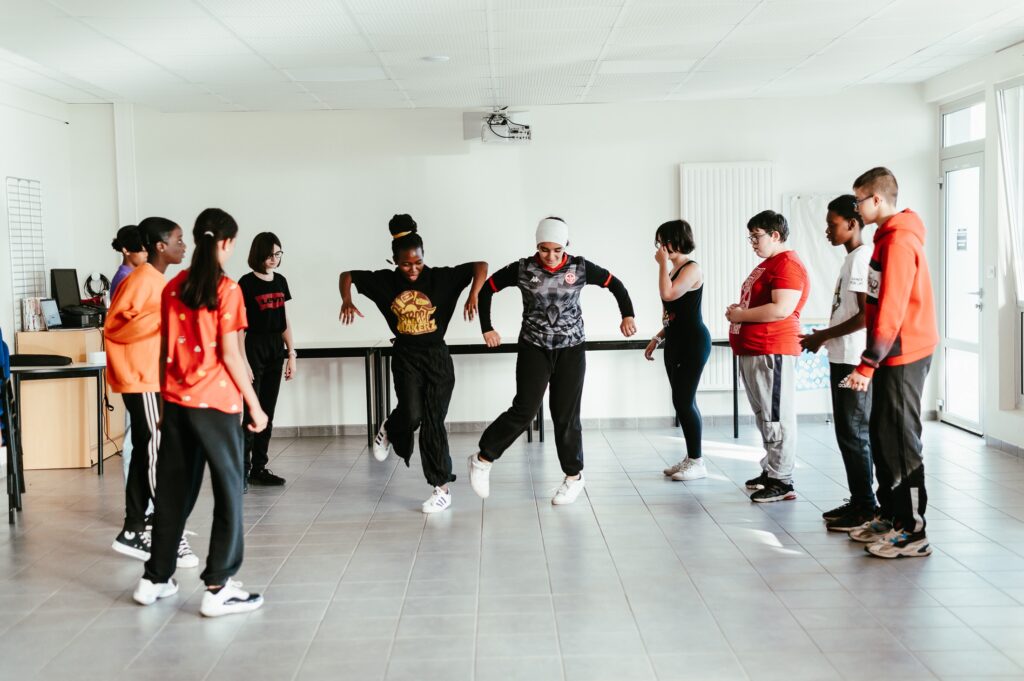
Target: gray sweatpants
[{"x": 771, "y": 388}]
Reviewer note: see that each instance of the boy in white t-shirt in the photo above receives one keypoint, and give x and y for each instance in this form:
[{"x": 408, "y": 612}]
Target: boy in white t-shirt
[{"x": 845, "y": 339}]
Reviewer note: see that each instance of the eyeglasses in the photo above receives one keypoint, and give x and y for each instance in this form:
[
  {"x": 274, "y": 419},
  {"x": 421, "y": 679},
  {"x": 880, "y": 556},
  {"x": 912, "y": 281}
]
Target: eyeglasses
[
  {"x": 857, "y": 202},
  {"x": 754, "y": 238},
  {"x": 277, "y": 255}
]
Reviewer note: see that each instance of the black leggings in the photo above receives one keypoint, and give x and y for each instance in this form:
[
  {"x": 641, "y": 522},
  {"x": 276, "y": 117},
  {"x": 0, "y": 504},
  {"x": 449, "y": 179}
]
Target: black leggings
[
  {"x": 684, "y": 363},
  {"x": 424, "y": 381},
  {"x": 266, "y": 355}
]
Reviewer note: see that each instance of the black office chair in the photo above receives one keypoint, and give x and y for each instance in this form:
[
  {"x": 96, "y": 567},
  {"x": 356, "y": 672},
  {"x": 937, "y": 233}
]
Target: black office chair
[{"x": 15, "y": 465}]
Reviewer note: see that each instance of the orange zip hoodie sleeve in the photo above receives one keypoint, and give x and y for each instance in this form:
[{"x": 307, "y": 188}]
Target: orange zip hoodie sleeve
[{"x": 897, "y": 269}]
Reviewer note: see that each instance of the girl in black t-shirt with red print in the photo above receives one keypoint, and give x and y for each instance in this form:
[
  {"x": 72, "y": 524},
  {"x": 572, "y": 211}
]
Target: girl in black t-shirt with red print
[
  {"x": 417, "y": 302},
  {"x": 266, "y": 347}
]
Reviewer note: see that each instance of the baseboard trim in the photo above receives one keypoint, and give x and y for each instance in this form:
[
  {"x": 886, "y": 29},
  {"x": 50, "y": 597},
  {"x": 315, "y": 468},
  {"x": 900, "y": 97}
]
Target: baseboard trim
[{"x": 1003, "y": 446}]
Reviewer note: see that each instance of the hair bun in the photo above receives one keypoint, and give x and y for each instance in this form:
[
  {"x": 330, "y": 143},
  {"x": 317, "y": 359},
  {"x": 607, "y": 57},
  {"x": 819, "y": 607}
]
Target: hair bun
[{"x": 401, "y": 225}]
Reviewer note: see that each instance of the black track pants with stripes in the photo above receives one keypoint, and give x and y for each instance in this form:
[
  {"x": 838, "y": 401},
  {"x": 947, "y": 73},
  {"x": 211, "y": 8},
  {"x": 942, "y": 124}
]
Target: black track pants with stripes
[{"x": 140, "y": 487}]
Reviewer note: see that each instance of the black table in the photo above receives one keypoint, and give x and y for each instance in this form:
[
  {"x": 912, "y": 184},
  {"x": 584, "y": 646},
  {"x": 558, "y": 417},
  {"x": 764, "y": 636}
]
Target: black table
[
  {"x": 384, "y": 351},
  {"x": 75, "y": 370},
  {"x": 341, "y": 349}
]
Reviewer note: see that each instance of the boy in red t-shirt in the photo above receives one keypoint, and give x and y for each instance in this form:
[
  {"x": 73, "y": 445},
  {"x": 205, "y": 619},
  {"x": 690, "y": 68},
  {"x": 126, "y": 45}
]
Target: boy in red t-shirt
[
  {"x": 902, "y": 335},
  {"x": 765, "y": 335}
]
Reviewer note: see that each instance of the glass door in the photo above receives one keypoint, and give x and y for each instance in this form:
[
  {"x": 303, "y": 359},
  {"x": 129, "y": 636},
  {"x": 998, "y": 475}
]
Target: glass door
[{"x": 961, "y": 291}]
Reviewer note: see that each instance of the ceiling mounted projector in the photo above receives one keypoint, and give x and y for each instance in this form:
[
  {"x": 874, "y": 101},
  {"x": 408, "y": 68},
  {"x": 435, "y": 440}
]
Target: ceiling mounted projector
[{"x": 498, "y": 126}]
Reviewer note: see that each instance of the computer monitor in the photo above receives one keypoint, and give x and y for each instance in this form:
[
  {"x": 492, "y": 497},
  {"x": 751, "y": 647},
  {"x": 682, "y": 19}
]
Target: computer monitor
[{"x": 64, "y": 288}]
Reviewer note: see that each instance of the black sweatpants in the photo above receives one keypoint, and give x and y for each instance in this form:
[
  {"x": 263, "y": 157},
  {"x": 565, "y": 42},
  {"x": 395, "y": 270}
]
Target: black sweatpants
[
  {"x": 684, "y": 363},
  {"x": 537, "y": 368},
  {"x": 266, "y": 355},
  {"x": 189, "y": 439},
  {"x": 424, "y": 381},
  {"x": 140, "y": 487},
  {"x": 896, "y": 448}
]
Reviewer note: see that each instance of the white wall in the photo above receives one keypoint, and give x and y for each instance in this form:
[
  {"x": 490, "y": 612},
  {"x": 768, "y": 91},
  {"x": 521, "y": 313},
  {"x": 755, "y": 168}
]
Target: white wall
[
  {"x": 327, "y": 183},
  {"x": 1001, "y": 419}
]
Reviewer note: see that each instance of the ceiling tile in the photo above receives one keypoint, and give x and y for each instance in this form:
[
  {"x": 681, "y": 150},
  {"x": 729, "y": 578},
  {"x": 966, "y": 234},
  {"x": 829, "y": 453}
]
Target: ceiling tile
[
  {"x": 337, "y": 74},
  {"x": 376, "y": 7},
  {"x": 272, "y": 8},
  {"x": 685, "y": 14},
  {"x": 308, "y": 44},
  {"x": 417, "y": 23},
  {"x": 669, "y": 35},
  {"x": 555, "y": 19},
  {"x": 127, "y": 9},
  {"x": 539, "y": 40},
  {"x": 324, "y": 25}
]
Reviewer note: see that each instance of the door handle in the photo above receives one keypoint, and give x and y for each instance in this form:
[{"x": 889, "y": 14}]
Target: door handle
[{"x": 979, "y": 292}]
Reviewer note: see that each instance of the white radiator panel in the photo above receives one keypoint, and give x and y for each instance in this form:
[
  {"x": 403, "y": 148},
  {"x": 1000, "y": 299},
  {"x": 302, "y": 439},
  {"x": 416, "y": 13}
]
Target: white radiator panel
[{"x": 718, "y": 199}]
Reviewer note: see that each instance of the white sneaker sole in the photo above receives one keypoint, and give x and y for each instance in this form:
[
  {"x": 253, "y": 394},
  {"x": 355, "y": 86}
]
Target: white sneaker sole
[
  {"x": 918, "y": 549},
  {"x": 168, "y": 590},
  {"x": 380, "y": 453},
  {"x": 220, "y": 610},
  {"x": 683, "y": 477},
  {"x": 129, "y": 551},
  {"x": 434, "y": 509}
]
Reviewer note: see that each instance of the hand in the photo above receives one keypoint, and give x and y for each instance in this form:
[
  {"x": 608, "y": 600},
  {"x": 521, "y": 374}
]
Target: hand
[
  {"x": 661, "y": 256},
  {"x": 492, "y": 339},
  {"x": 257, "y": 419},
  {"x": 469, "y": 311},
  {"x": 627, "y": 327},
  {"x": 734, "y": 313},
  {"x": 649, "y": 350},
  {"x": 349, "y": 312},
  {"x": 812, "y": 342},
  {"x": 289, "y": 369},
  {"x": 249, "y": 373},
  {"x": 856, "y": 381}
]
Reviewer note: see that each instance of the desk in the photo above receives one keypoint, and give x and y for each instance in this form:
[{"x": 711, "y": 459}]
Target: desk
[
  {"x": 75, "y": 370},
  {"x": 382, "y": 374},
  {"x": 340, "y": 349}
]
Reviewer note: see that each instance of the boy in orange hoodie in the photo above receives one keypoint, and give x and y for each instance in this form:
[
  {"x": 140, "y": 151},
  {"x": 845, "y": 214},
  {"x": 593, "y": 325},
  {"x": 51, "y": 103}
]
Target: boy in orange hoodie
[
  {"x": 132, "y": 341},
  {"x": 901, "y": 337}
]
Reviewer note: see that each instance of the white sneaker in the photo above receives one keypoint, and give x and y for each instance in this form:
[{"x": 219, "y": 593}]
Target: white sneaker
[
  {"x": 568, "y": 491},
  {"x": 691, "y": 469},
  {"x": 147, "y": 593},
  {"x": 674, "y": 468},
  {"x": 186, "y": 559},
  {"x": 230, "y": 600},
  {"x": 480, "y": 475},
  {"x": 439, "y": 501},
  {"x": 381, "y": 444}
]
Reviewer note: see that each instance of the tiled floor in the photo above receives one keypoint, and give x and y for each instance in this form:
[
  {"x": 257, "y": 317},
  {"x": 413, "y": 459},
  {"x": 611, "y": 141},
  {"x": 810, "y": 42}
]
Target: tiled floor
[{"x": 642, "y": 578}]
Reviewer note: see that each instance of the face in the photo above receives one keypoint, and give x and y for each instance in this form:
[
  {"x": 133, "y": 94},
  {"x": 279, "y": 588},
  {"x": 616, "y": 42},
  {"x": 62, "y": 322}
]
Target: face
[
  {"x": 867, "y": 205},
  {"x": 838, "y": 229},
  {"x": 410, "y": 263},
  {"x": 274, "y": 261},
  {"x": 550, "y": 253},
  {"x": 173, "y": 249},
  {"x": 764, "y": 245},
  {"x": 135, "y": 259}
]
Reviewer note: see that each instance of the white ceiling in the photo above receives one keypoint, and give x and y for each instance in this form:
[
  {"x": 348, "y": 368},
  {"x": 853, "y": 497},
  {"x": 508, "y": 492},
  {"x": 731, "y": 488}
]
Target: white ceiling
[{"x": 286, "y": 55}]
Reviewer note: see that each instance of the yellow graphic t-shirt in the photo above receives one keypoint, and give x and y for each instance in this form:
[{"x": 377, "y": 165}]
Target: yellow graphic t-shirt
[{"x": 415, "y": 313}]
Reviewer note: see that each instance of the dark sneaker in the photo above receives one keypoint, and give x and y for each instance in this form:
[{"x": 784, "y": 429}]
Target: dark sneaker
[
  {"x": 759, "y": 482},
  {"x": 851, "y": 520},
  {"x": 265, "y": 476},
  {"x": 230, "y": 599},
  {"x": 901, "y": 545},
  {"x": 774, "y": 490},
  {"x": 839, "y": 511},
  {"x": 134, "y": 544}
]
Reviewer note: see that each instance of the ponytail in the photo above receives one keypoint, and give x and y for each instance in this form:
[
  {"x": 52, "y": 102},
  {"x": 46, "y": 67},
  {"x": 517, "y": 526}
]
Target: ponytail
[
  {"x": 127, "y": 239},
  {"x": 153, "y": 231},
  {"x": 200, "y": 288},
  {"x": 403, "y": 234}
]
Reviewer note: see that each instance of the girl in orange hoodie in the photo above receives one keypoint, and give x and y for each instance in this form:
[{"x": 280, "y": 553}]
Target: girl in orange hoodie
[{"x": 132, "y": 335}]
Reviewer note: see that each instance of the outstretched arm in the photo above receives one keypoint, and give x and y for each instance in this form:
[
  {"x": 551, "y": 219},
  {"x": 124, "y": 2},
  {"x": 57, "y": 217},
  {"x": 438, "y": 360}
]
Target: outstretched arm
[
  {"x": 472, "y": 302},
  {"x": 503, "y": 278},
  {"x": 348, "y": 309}
]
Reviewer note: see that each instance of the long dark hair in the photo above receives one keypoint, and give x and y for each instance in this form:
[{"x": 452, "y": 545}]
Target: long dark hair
[
  {"x": 128, "y": 239},
  {"x": 153, "y": 231},
  {"x": 403, "y": 235},
  {"x": 200, "y": 288}
]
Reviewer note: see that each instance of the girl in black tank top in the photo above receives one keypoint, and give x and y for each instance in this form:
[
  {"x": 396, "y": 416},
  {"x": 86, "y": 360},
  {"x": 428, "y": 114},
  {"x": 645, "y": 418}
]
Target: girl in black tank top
[{"x": 686, "y": 339}]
